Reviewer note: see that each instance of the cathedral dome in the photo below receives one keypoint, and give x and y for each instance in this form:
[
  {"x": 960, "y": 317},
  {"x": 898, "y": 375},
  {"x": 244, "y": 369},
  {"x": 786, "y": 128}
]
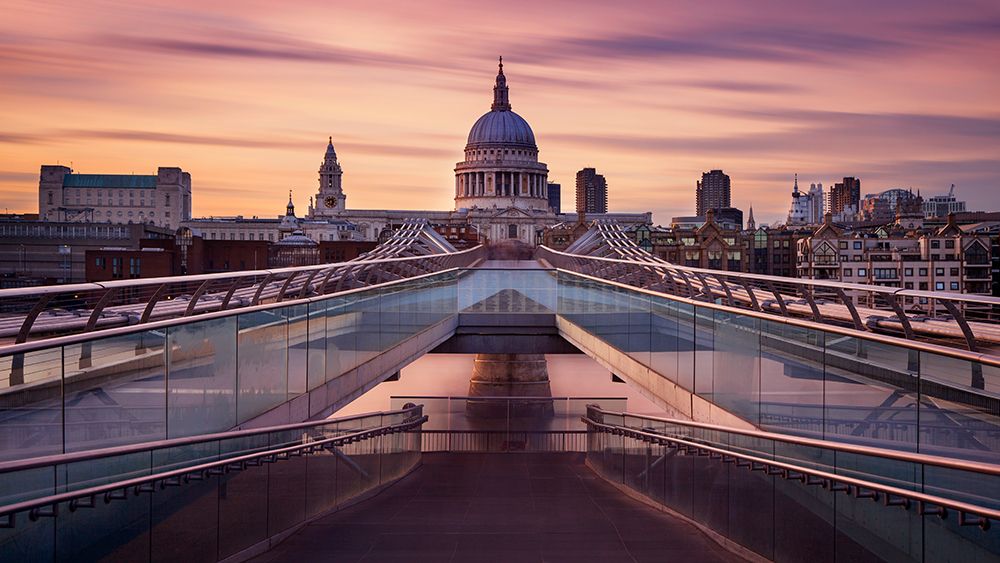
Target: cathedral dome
[{"x": 501, "y": 127}]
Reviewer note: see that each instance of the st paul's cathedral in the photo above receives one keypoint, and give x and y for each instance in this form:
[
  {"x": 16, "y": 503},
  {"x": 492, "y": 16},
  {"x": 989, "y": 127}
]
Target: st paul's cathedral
[{"x": 500, "y": 193}]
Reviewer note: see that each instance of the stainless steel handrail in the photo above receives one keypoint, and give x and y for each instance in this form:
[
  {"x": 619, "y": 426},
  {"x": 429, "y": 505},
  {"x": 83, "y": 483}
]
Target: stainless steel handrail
[
  {"x": 925, "y": 459},
  {"x": 43, "y": 461},
  {"x": 969, "y": 297},
  {"x": 56, "y": 341},
  {"x": 740, "y": 288},
  {"x": 138, "y": 306},
  {"x": 140, "y": 282},
  {"x": 176, "y": 477},
  {"x": 833, "y": 482},
  {"x": 985, "y": 358}
]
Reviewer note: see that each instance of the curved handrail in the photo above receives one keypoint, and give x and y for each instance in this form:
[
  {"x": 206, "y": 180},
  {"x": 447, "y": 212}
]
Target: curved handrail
[
  {"x": 761, "y": 294},
  {"x": 860, "y": 488},
  {"x": 42, "y": 461},
  {"x": 52, "y": 342},
  {"x": 141, "y": 282},
  {"x": 176, "y": 477},
  {"x": 898, "y": 455},
  {"x": 966, "y": 297},
  {"x": 917, "y": 345},
  {"x": 134, "y": 301}
]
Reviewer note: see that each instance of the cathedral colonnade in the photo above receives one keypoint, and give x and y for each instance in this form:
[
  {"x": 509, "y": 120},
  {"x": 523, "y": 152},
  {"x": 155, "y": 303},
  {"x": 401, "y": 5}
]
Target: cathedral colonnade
[{"x": 501, "y": 183}]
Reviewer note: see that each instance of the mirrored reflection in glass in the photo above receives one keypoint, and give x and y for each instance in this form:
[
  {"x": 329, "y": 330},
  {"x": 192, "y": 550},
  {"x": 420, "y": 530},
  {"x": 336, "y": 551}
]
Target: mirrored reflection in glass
[
  {"x": 201, "y": 385},
  {"x": 115, "y": 391}
]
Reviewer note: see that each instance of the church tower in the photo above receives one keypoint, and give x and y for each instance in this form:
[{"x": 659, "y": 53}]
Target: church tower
[{"x": 331, "y": 199}]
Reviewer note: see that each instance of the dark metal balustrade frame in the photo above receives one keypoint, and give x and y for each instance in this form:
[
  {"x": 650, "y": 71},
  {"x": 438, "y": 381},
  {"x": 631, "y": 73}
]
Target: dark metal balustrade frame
[
  {"x": 981, "y": 356},
  {"x": 74, "y": 457},
  {"x": 969, "y": 514},
  {"x": 413, "y": 250},
  {"x": 607, "y": 252},
  {"x": 48, "y": 506},
  {"x": 34, "y": 345}
]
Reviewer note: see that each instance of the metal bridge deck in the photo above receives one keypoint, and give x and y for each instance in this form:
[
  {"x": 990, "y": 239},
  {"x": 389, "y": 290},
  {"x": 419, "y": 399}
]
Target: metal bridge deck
[{"x": 510, "y": 508}]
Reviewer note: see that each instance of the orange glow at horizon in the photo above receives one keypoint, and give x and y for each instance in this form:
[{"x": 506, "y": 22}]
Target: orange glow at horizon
[{"x": 243, "y": 96}]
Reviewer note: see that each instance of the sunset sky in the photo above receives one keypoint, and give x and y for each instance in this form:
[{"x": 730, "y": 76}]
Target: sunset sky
[{"x": 244, "y": 94}]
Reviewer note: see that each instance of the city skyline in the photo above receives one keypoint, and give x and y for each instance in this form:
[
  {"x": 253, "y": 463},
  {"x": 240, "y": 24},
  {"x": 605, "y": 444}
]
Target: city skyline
[{"x": 245, "y": 102}]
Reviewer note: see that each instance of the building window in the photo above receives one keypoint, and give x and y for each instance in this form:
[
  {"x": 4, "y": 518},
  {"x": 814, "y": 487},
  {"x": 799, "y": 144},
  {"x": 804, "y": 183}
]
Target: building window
[
  {"x": 923, "y": 271},
  {"x": 133, "y": 267},
  {"x": 884, "y": 273},
  {"x": 862, "y": 272},
  {"x": 848, "y": 273},
  {"x": 857, "y": 245},
  {"x": 935, "y": 244},
  {"x": 954, "y": 271},
  {"x": 908, "y": 271},
  {"x": 954, "y": 286},
  {"x": 715, "y": 259},
  {"x": 949, "y": 244},
  {"x": 923, "y": 286},
  {"x": 939, "y": 272},
  {"x": 843, "y": 245}
]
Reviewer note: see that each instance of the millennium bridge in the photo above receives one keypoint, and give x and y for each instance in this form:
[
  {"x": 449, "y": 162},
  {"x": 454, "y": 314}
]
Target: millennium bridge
[{"x": 194, "y": 418}]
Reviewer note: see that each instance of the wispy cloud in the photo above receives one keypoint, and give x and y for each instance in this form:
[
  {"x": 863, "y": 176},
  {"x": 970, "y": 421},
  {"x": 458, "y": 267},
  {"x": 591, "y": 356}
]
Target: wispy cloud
[
  {"x": 725, "y": 40},
  {"x": 254, "y": 46},
  {"x": 741, "y": 87},
  {"x": 10, "y": 176},
  {"x": 901, "y": 92}
]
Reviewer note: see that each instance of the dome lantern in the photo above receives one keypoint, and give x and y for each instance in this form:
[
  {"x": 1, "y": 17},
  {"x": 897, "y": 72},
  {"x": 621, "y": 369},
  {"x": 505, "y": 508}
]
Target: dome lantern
[{"x": 501, "y": 94}]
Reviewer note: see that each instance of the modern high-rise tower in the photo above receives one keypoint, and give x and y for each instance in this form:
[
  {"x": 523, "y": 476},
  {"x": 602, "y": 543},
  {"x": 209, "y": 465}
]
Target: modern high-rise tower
[
  {"x": 555, "y": 197},
  {"x": 845, "y": 196},
  {"x": 712, "y": 192},
  {"x": 591, "y": 192}
]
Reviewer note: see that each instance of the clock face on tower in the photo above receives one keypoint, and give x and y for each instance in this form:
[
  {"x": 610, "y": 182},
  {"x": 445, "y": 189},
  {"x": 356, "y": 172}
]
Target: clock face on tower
[{"x": 330, "y": 201}]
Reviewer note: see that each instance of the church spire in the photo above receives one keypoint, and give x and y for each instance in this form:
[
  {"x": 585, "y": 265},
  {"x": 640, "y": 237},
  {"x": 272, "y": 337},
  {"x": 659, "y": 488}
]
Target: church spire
[
  {"x": 501, "y": 99},
  {"x": 331, "y": 153},
  {"x": 290, "y": 209}
]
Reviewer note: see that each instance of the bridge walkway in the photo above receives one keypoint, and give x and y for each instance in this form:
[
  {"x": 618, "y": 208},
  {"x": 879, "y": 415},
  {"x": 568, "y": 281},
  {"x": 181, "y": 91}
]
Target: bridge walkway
[{"x": 510, "y": 508}]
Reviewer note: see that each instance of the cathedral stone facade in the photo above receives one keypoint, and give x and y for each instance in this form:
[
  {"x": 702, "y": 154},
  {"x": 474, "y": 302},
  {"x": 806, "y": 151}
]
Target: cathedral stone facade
[
  {"x": 501, "y": 192},
  {"x": 501, "y": 167}
]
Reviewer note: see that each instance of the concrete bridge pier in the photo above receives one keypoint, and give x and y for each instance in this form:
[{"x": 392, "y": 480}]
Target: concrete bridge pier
[{"x": 509, "y": 375}]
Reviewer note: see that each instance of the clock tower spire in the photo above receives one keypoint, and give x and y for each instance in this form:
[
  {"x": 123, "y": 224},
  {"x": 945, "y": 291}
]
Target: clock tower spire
[{"x": 331, "y": 199}]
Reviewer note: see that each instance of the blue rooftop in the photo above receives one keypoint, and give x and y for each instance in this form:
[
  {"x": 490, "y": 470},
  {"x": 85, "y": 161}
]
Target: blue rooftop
[{"x": 122, "y": 181}]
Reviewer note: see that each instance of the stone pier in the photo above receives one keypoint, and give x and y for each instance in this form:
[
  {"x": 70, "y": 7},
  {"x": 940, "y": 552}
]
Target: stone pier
[{"x": 509, "y": 375}]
